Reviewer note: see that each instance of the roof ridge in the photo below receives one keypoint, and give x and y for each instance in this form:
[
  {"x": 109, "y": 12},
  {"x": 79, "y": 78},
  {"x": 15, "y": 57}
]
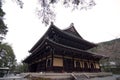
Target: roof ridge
[{"x": 71, "y": 30}]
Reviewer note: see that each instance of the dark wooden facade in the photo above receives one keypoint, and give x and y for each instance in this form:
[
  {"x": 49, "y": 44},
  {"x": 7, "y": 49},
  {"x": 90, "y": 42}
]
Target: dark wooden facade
[{"x": 62, "y": 51}]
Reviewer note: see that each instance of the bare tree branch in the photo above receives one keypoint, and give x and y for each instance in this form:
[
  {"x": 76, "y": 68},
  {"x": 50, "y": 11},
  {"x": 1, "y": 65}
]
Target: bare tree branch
[{"x": 47, "y": 14}]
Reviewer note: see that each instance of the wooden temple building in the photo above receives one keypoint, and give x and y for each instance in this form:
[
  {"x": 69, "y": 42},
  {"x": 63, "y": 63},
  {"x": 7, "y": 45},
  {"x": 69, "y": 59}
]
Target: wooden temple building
[{"x": 62, "y": 51}]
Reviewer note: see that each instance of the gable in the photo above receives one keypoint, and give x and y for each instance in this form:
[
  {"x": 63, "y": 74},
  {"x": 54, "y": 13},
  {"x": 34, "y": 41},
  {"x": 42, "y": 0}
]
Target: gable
[
  {"x": 72, "y": 31},
  {"x": 69, "y": 34}
]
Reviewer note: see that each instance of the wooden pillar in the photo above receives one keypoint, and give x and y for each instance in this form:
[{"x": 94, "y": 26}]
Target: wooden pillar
[
  {"x": 52, "y": 54},
  {"x": 63, "y": 61},
  {"x": 82, "y": 62},
  {"x": 94, "y": 68},
  {"x": 99, "y": 66},
  {"x": 73, "y": 64},
  {"x": 89, "y": 66},
  {"x": 29, "y": 67},
  {"x": 81, "y": 65},
  {"x": 86, "y": 66},
  {"x": 46, "y": 64}
]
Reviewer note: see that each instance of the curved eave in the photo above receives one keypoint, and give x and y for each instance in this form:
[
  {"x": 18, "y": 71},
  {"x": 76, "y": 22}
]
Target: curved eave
[
  {"x": 53, "y": 27},
  {"x": 40, "y": 40},
  {"x": 35, "y": 50},
  {"x": 98, "y": 55},
  {"x": 91, "y": 45},
  {"x": 73, "y": 49},
  {"x": 50, "y": 42}
]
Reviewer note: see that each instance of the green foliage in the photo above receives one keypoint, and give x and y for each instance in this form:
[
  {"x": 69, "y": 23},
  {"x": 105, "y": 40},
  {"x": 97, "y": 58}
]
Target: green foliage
[
  {"x": 7, "y": 57},
  {"x": 113, "y": 70},
  {"x": 3, "y": 27},
  {"x": 21, "y": 67},
  {"x": 110, "y": 49}
]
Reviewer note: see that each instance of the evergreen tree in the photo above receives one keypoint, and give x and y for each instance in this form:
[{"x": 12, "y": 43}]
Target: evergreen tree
[
  {"x": 21, "y": 68},
  {"x": 7, "y": 56},
  {"x": 3, "y": 27}
]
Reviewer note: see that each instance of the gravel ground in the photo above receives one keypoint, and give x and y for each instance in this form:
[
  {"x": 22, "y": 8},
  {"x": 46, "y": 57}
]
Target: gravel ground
[{"x": 106, "y": 78}]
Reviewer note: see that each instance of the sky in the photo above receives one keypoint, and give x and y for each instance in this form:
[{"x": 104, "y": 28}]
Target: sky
[{"x": 99, "y": 24}]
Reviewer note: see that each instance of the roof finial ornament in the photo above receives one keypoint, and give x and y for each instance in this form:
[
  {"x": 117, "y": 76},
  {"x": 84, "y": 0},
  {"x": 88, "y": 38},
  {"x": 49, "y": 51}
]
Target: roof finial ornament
[
  {"x": 72, "y": 24},
  {"x": 52, "y": 23}
]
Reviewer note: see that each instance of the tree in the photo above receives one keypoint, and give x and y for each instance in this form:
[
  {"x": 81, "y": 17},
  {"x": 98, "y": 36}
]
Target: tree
[
  {"x": 47, "y": 14},
  {"x": 3, "y": 27},
  {"x": 111, "y": 49},
  {"x": 21, "y": 67},
  {"x": 18, "y": 2},
  {"x": 7, "y": 57}
]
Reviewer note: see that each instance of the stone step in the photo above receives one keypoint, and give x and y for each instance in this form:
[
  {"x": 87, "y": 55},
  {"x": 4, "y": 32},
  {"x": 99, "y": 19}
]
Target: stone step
[
  {"x": 76, "y": 76},
  {"x": 79, "y": 77}
]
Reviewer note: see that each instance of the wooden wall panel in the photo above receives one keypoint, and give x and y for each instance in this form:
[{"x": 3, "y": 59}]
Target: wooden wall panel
[{"x": 58, "y": 62}]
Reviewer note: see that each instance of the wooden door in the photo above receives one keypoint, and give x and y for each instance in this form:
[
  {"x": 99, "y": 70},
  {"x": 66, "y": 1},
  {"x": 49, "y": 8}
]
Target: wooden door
[{"x": 68, "y": 65}]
